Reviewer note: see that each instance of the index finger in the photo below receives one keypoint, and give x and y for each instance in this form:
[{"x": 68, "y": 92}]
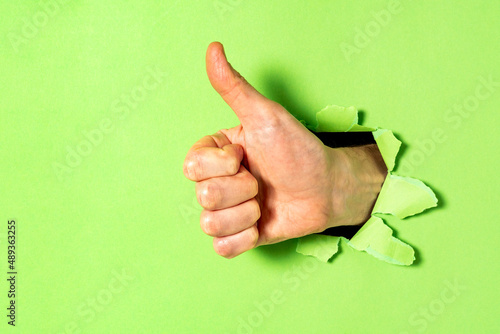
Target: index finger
[{"x": 212, "y": 156}]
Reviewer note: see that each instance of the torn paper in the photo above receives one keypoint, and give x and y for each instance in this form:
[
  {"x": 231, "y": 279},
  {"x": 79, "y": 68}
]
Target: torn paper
[
  {"x": 376, "y": 239},
  {"x": 400, "y": 196},
  {"x": 388, "y": 146},
  {"x": 339, "y": 119},
  {"x": 323, "y": 247},
  {"x": 403, "y": 197}
]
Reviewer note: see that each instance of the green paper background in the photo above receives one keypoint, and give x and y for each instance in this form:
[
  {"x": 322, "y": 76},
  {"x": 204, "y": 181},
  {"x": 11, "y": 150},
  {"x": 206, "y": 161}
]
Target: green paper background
[{"x": 126, "y": 208}]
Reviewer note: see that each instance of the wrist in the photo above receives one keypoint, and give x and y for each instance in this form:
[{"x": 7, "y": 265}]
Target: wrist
[{"x": 358, "y": 174}]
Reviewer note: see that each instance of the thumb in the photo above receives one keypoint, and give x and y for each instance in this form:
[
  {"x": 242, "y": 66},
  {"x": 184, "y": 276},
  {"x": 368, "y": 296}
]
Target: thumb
[{"x": 250, "y": 106}]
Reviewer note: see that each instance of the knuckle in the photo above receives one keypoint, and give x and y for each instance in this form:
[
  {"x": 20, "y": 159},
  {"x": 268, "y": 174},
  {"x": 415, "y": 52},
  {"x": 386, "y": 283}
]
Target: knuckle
[
  {"x": 193, "y": 166},
  {"x": 223, "y": 248},
  {"x": 254, "y": 234},
  {"x": 255, "y": 210},
  {"x": 232, "y": 165},
  {"x": 209, "y": 194},
  {"x": 253, "y": 185},
  {"x": 209, "y": 225}
]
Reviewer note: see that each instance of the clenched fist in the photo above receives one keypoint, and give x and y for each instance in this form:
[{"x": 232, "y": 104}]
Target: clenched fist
[{"x": 270, "y": 179}]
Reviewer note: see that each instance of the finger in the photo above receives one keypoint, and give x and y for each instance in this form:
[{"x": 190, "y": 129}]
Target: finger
[
  {"x": 229, "y": 221},
  {"x": 226, "y": 191},
  {"x": 218, "y": 139},
  {"x": 202, "y": 163},
  {"x": 233, "y": 245},
  {"x": 251, "y": 107}
]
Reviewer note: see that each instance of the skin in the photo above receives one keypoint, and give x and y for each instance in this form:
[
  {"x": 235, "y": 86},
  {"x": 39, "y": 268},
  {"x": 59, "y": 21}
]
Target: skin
[{"x": 270, "y": 179}]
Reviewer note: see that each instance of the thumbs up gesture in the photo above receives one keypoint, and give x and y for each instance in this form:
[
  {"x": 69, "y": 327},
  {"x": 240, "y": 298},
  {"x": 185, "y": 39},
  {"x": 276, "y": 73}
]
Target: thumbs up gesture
[{"x": 270, "y": 179}]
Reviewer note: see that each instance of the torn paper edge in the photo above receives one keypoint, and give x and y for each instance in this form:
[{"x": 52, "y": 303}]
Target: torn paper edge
[
  {"x": 322, "y": 247},
  {"x": 388, "y": 249}
]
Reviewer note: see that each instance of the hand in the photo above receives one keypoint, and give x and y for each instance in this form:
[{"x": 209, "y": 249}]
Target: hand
[{"x": 270, "y": 179}]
